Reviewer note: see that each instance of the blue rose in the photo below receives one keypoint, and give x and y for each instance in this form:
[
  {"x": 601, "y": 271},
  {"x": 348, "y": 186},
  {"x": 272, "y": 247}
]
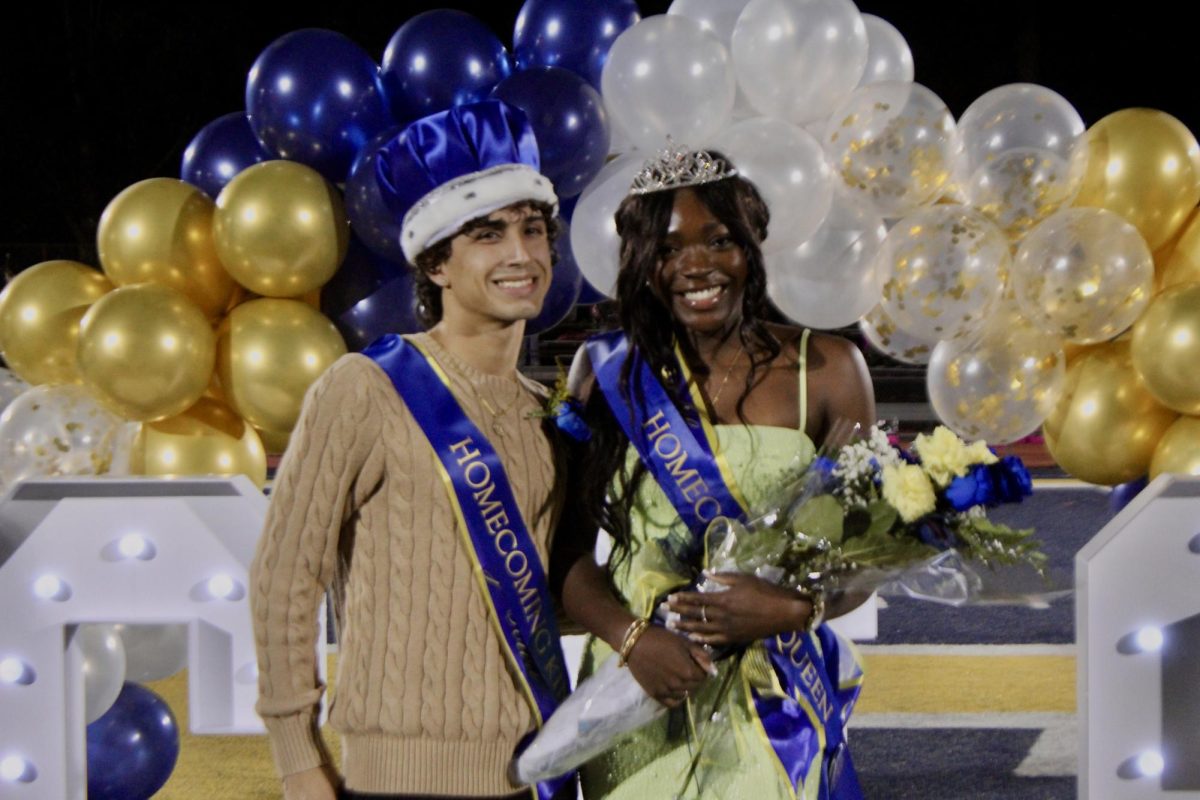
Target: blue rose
[
  {"x": 933, "y": 531},
  {"x": 1011, "y": 479},
  {"x": 976, "y": 488},
  {"x": 568, "y": 417}
]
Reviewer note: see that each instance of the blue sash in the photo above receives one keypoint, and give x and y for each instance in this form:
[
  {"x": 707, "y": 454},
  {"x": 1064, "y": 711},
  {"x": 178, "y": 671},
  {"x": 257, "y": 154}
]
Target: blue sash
[
  {"x": 804, "y": 728},
  {"x": 505, "y": 561}
]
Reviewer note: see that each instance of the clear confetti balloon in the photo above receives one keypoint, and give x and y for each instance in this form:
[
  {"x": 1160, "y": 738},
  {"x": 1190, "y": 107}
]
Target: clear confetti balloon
[
  {"x": 888, "y": 55},
  {"x": 999, "y": 387},
  {"x": 1021, "y": 116},
  {"x": 944, "y": 268},
  {"x": 1019, "y": 188},
  {"x": 882, "y": 333},
  {"x": 894, "y": 144},
  {"x": 50, "y": 431},
  {"x": 10, "y": 387},
  {"x": 1084, "y": 275},
  {"x": 833, "y": 278}
]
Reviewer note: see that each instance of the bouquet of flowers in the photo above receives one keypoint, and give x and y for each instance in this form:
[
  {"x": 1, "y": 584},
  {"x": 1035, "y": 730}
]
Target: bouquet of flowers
[{"x": 862, "y": 516}]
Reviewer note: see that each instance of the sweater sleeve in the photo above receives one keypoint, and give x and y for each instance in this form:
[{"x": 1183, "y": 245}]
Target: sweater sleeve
[{"x": 297, "y": 554}]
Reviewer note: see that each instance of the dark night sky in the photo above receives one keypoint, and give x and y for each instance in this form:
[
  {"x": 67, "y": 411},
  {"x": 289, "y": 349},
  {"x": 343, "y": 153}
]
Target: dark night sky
[{"x": 96, "y": 96}]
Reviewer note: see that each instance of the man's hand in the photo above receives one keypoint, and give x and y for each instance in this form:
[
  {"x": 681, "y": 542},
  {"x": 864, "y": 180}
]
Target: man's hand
[
  {"x": 312, "y": 784},
  {"x": 668, "y": 666}
]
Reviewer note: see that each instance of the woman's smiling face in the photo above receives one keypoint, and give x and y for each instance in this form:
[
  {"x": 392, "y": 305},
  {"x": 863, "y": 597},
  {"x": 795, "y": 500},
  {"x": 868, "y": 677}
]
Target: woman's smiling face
[{"x": 701, "y": 270}]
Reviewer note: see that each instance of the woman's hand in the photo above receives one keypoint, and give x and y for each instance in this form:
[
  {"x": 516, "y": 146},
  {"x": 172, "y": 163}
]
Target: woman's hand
[
  {"x": 668, "y": 666},
  {"x": 749, "y": 610}
]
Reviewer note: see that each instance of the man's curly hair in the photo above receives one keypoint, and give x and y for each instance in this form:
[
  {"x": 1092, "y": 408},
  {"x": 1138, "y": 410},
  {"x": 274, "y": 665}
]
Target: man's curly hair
[{"x": 430, "y": 260}]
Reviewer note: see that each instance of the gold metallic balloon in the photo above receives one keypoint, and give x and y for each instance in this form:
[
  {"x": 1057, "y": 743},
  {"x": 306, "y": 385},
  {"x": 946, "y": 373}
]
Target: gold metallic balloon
[
  {"x": 274, "y": 442},
  {"x": 1144, "y": 165},
  {"x": 160, "y": 231},
  {"x": 40, "y": 311},
  {"x": 1106, "y": 424},
  {"x": 1178, "y": 450},
  {"x": 1166, "y": 348},
  {"x": 268, "y": 353},
  {"x": 207, "y": 439},
  {"x": 147, "y": 351},
  {"x": 280, "y": 229},
  {"x": 1183, "y": 264}
]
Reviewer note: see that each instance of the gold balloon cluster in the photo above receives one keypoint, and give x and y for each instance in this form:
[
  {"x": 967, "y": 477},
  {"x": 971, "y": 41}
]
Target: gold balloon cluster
[
  {"x": 172, "y": 334},
  {"x": 1119, "y": 417}
]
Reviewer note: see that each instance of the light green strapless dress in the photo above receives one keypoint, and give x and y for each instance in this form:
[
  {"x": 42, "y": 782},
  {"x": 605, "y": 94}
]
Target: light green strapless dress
[{"x": 652, "y": 763}]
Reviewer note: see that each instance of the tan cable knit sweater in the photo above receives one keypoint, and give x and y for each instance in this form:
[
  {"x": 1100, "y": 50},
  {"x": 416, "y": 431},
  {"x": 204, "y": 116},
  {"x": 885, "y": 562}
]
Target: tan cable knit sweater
[{"x": 423, "y": 697}]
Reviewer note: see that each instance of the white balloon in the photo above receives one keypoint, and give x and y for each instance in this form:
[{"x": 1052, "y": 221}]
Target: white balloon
[
  {"x": 787, "y": 166},
  {"x": 832, "y": 279},
  {"x": 1020, "y": 115},
  {"x": 667, "y": 76},
  {"x": 798, "y": 59},
  {"x": 718, "y": 17},
  {"x": 884, "y": 335},
  {"x": 102, "y": 659},
  {"x": 888, "y": 55},
  {"x": 154, "y": 652},
  {"x": 594, "y": 239}
]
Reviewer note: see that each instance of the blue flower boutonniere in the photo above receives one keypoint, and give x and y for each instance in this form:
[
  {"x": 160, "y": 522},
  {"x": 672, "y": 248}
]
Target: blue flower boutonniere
[{"x": 566, "y": 411}]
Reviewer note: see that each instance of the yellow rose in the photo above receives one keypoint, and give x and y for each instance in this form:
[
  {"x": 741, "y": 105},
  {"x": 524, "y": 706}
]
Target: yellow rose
[
  {"x": 978, "y": 453},
  {"x": 943, "y": 455},
  {"x": 908, "y": 490}
]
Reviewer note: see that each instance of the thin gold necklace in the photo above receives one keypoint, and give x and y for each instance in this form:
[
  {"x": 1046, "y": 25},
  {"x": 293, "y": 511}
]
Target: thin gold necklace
[
  {"x": 497, "y": 414},
  {"x": 728, "y": 371}
]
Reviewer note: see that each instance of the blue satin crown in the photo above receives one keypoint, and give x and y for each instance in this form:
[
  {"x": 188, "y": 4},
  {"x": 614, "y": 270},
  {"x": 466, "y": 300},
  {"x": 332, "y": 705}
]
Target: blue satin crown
[{"x": 450, "y": 167}]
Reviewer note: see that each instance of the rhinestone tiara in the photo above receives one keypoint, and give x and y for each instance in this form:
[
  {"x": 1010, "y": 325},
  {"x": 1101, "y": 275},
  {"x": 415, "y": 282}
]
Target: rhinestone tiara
[{"x": 676, "y": 167}]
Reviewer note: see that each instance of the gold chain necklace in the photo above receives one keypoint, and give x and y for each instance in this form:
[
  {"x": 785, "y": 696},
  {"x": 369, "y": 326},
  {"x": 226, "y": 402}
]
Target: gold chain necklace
[
  {"x": 496, "y": 414},
  {"x": 728, "y": 371}
]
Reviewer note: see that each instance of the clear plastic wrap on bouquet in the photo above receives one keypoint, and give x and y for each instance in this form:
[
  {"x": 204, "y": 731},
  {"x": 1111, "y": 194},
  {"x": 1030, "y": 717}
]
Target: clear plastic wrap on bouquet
[
  {"x": 837, "y": 525},
  {"x": 601, "y": 710}
]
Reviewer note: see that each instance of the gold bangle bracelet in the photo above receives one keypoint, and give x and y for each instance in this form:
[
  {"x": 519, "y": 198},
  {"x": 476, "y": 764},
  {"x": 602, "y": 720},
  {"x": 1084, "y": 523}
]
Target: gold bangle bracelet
[
  {"x": 817, "y": 599},
  {"x": 632, "y": 634}
]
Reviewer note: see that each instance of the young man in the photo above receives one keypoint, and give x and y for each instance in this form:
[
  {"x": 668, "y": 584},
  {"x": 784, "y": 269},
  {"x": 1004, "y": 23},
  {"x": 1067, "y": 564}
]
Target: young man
[{"x": 420, "y": 486}]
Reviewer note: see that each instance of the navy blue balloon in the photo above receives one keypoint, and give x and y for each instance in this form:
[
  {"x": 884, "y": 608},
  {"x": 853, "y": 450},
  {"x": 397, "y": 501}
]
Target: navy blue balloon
[
  {"x": 572, "y": 34},
  {"x": 370, "y": 217},
  {"x": 440, "y": 59},
  {"x": 222, "y": 149},
  {"x": 392, "y": 308},
  {"x": 314, "y": 96},
  {"x": 1121, "y": 494},
  {"x": 564, "y": 287},
  {"x": 361, "y": 274},
  {"x": 568, "y": 119},
  {"x": 132, "y": 749}
]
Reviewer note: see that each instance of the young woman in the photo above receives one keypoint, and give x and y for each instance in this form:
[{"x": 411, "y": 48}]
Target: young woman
[{"x": 697, "y": 357}]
